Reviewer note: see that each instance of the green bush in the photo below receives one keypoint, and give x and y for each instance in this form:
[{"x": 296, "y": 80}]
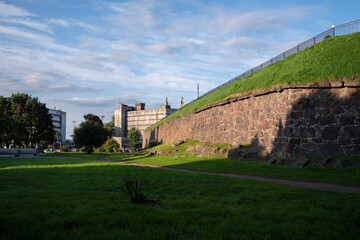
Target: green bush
[
  {"x": 110, "y": 145},
  {"x": 327, "y": 36}
]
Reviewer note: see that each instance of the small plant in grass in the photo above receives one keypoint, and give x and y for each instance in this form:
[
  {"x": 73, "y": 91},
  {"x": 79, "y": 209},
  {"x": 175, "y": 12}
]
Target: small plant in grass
[
  {"x": 327, "y": 37},
  {"x": 134, "y": 187}
]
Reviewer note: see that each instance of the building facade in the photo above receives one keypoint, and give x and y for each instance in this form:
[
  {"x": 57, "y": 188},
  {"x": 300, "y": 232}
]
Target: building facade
[
  {"x": 59, "y": 123},
  {"x": 127, "y": 117}
]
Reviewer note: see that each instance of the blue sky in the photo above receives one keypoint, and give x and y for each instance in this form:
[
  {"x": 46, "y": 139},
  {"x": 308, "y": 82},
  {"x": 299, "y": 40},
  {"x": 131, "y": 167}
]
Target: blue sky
[{"x": 87, "y": 56}]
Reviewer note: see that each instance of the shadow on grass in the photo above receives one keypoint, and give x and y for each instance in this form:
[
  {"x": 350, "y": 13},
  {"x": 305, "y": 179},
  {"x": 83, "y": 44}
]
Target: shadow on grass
[{"x": 347, "y": 176}]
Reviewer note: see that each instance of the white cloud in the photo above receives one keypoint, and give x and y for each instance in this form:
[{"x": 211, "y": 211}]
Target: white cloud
[
  {"x": 233, "y": 21},
  {"x": 242, "y": 42},
  {"x": 66, "y": 23},
  {"x": 60, "y": 22},
  {"x": 7, "y": 10},
  {"x": 28, "y": 23},
  {"x": 142, "y": 14}
]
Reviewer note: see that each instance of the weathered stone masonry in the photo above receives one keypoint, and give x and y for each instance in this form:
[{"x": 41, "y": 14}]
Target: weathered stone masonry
[{"x": 310, "y": 119}]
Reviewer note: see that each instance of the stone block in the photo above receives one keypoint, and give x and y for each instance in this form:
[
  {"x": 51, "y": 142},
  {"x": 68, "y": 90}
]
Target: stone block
[
  {"x": 287, "y": 131},
  {"x": 294, "y": 140},
  {"x": 330, "y": 133},
  {"x": 296, "y": 115},
  {"x": 328, "y": 119},
  {"x": 331, "y": 149},
  {"x": 289, "y": 148},
  {"x": 307, "y": 132},
  {"x": 317, "y": 140},
  {"x": 346, "y": 120},
  {"x": 338, "y": 109},
  {"x": 344, "y": 141},
  {"x": 351, "y": 131},
  {"x": 296, "y": 161}
]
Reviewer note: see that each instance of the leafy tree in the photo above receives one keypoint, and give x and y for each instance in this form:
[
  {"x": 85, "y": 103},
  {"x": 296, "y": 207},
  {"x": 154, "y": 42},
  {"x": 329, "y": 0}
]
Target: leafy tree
[
  {"x": 134, "y": 137},
  {"x": 25, "y": 121},
  {"x": 109, "y": 127},
  {"x": 93, "y": 118},
  {"x": 90, "y": 133},
  {"x": 5, "y": 123}
]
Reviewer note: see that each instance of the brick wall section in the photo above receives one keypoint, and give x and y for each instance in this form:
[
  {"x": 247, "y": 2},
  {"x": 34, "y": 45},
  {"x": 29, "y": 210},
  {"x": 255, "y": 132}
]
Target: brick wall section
[{"x": 310, "y": 119}]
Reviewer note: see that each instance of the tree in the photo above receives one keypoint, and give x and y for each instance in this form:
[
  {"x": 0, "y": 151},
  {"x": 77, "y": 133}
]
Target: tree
[
  {"x": 93, "y": 118},
  {"x": 25, "y": 121},
  {"x": 90, "y": 133},
  {"x": 4, "y": 121},
  {"x": 109, "y": 128},
  {"x": 134, "y": 137}
]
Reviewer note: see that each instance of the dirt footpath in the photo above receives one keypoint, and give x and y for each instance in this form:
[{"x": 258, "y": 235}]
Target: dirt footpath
[{"x": 316, "y": 185}]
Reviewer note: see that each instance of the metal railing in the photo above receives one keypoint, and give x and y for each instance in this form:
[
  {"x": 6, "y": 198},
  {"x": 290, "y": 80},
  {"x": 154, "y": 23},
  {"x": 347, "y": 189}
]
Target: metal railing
[{"x": 347, "y": 28}]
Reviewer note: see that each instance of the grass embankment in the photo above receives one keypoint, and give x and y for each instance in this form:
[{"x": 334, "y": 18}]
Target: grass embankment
[
  {"x": 331, "y": 59},
  {"x": 81, "y": 199},
  {"x": 346, "y": 176},
  {"x": 182, "y": 159}
]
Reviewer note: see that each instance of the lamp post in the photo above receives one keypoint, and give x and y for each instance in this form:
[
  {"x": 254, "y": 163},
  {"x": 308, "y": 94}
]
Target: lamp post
[{"x": 198, "y": 90}]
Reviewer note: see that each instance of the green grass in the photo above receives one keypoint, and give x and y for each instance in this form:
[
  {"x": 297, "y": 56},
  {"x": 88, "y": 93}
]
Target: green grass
[
  {"x": 82, "y": 199},
  {"x": 331, "y": 59},
  {"x": 345, "y": 176},
  {"x": 181, "y": 149},
  {"x": 94, "y": 155}
]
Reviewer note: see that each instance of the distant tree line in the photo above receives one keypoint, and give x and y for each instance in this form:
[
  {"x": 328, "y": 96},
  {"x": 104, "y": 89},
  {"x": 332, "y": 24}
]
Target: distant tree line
[{"x": 25, "y": 122}]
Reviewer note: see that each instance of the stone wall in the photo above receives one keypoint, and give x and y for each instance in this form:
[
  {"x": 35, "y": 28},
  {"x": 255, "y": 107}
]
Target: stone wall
[{"x": 307, "y": 120}]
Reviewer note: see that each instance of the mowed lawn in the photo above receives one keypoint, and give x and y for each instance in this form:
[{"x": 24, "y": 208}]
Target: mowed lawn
[
  {"x": 83, "y": 199},
  {"x": 343, "y": 176}
]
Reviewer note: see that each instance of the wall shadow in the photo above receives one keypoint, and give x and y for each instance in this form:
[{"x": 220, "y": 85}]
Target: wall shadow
[{"x": 321, "y": 124}]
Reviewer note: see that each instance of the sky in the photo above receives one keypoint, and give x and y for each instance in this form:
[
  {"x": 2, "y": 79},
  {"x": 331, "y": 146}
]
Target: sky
[{"x": 88, "y": 56}]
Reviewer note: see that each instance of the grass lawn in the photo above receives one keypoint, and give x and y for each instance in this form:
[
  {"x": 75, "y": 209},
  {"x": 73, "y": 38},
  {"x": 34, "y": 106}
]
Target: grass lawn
[
  {"x": 94, "y": 155},
  {"x": 184, "y": 160},
  {"x": 331, "y": 59},
  {"x": 44, "y": 198},
  {"x": 346, "y": 176}
]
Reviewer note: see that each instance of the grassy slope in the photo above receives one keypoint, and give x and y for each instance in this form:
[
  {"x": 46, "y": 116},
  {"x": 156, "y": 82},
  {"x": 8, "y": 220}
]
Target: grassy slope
[
  {"x": 346, "y": 176},
  {"x": 334, "y": 58},
  {"x": 82, "y": 199}
]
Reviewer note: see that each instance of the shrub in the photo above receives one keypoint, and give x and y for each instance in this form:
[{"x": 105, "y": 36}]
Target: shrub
[
  {"x": 134, "y": 187},
  {"x": 110, "y": 145},
  {"x": 327, "y": 37}
]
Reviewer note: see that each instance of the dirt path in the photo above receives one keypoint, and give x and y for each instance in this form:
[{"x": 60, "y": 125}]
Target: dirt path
[{"x": 316, "y": 185}]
